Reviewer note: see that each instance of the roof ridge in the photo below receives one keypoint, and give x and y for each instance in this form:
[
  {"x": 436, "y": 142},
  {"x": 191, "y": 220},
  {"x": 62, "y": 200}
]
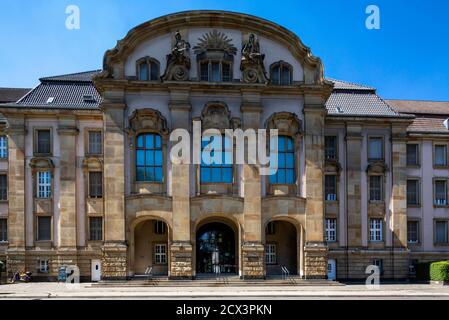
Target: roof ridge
[
  {"x": 57, "y": 77},
  {"x": 418, "y": 100}
]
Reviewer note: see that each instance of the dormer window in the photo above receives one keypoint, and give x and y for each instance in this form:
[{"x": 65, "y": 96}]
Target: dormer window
[
  {"x": 215, "y": 56},
  {"x": 281, "y": 74},
  {"x": 147, "y": 69}
]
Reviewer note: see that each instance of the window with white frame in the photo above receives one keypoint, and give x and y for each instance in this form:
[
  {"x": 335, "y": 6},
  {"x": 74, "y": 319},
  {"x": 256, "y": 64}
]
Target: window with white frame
[
  {"x": 160, "y": 253},
  {"x": 412, "y": 154},
  {"x": 375, "y": 230},
  {"x": 440, "y": 155},
  {"x": 43, "y": 266},
  {"x": 159, "y": 227},
  {"x": 330, "y": 187},
  {"x": 375, "y": 188},
  {"x": 331, "y": 230},
  {"x": 441, "y": 232},
  {"x": 3, "y": 147},
  {"x": 3, "y": 230},
  {"x": 412, "y": 231},
  {"x": 375, "y": 148},
  {"x": 440, "y": 193},
  {"x": 95, "y": 142},
  {"x": 44, "y": 184},
  {"x": 412, "y": 192},
  {"x": 270, "y": 253}
]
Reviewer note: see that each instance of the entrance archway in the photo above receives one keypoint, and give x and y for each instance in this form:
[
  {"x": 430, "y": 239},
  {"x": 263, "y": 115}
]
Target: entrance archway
[
  {"x": 151, "y": 247},
  {"x": 281, "y": 247},
  {"x": 216, "y": 249}
]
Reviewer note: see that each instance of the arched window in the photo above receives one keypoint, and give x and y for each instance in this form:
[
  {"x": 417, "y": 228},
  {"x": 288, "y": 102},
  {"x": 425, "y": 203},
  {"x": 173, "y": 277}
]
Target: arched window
[
  {"x": 149, "y": 158},
  {"x": 281, "y": 74},
  {"x": 286, "y": 162},
  {"x": 217, "y": 173},
  {"x": 147, "y": 69}
]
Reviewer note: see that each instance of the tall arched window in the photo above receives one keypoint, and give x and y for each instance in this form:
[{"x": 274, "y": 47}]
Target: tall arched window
[
  {"x": 281, "y": 74},
  {"x": 149, "y": 158},
  {"x": 217, "y": 173},
  {"x": 286, "y": 162},
  {"x": 147, "y": 69}
]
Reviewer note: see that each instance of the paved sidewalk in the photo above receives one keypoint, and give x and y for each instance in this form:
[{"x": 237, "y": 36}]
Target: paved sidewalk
[{"x": 90, "y": 291}]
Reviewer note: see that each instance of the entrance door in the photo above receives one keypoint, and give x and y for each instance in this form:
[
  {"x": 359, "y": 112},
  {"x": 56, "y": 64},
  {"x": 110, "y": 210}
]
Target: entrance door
[
  {"x": 331, "y": 270},
  {"x": 96, "y": 270},
  {"x": 215, "y": 251}
]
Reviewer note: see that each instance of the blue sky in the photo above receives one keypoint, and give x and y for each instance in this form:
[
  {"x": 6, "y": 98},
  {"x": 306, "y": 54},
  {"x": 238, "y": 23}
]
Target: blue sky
[{"x": 408, "y": 58}]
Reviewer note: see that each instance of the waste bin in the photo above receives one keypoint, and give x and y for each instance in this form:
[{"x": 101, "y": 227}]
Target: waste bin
[{"x": 62, "y": 274}]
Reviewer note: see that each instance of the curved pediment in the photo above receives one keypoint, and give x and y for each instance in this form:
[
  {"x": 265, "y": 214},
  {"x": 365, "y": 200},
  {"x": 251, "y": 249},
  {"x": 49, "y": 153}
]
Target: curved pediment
[
  {"x": 41, "y": 163},
  {"x": 204, "y": 29}
]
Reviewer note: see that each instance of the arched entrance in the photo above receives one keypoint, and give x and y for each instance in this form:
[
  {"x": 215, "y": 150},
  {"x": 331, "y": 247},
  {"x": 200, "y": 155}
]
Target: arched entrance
[
  {"x": 151, "y": 247},
  {"x": 216, "y": 249},
  {"x": 281, "y": 247}
]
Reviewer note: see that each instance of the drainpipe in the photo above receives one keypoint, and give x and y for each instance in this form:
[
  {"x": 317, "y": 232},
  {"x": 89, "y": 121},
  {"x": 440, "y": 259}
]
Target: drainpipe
[
  {"x": 346, "y": 202},
  {"x": 391, "y": 199}
]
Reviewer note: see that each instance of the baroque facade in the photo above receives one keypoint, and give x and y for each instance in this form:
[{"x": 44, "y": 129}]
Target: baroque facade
[{"x": 86, "y": 177}]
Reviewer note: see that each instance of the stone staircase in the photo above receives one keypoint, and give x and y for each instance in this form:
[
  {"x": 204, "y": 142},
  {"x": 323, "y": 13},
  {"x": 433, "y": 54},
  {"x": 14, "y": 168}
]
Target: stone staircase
[{"x": 212, "y": 281}]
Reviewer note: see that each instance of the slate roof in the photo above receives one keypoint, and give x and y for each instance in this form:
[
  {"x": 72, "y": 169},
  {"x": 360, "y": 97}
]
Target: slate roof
[
  {"x": 350, "y": 99},
  {"x": 430, "y": 115},
  {"x": 420, "y": 107},
  {"x": 12, "y": 94},
  {"x": 71, "y": 91}
]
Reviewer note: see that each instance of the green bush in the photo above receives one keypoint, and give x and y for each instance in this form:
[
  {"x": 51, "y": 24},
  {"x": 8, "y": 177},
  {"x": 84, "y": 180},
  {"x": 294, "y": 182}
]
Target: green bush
[
  {"x": 439, "y": 271},
  {"x": 422, "y": 271}
]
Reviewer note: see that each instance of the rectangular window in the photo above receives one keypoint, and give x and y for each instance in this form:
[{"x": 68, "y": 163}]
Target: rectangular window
[
  {"x": 226, "y": 72},
  {"x": 441, "y": 232},
  {"x": 412, "y": 192},
  {"x": 3, "y": 147},
  {"x": 412, "y": 231},
  {"x": 43, "y": 266},
  {"x": 43, "y": 141},
  {"x": 160, "y": 253},
  {"x": 331, "y": 148},
  {"x": 96, "y": 228},
  {"x": 330, "y": 187},
  {"x": 211, "y": 171},
  {"x": 95, "y": 142},
  {"x": 43, "y": 228},
  {"x": 375, "y": 230},
  {"x": 270, "y": 253},
  {"x": 159, "y": 227},
  {"x": 331, "y": 230},
  {"x": 204, "y": 70},
  {"x": 440, "y": 193},
  {"x": 440, "y": 155},
  {"x": 44, "y": 184},
  {"x": 375, "y": 148},
  {"x": 3, "y": 230},
  {"x": 95, "y": 184},
  {"x": 375, "y": 188},
  {"x": 286, "y": 162},
  {"x": 3, "y": 187},
  {"x": 215, "y": 72},
  {"x": 412, "y": 154}
]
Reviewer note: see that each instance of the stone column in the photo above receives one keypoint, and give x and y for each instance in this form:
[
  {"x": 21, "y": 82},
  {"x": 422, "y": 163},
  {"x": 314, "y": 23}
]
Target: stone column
[
  {"x": 399, "y": 200},
  {"x": 114, "y": 249},
  {"x": 16, "y": 195},
  {"x": 181, "y": 250},
  {"x": 68, "y": 132},
  {"x": 315, "y": 253},
  {"x": 253, "y": 251}
]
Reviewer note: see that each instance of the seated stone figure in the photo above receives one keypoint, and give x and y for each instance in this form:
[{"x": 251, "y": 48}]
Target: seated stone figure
[
  {"x": 252, "y": 65},
  {"x": 178, "y": 61}
]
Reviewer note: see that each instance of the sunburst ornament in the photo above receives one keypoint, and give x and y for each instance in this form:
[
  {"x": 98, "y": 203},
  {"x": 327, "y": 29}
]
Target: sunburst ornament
[{"x": 215, "y": 41}]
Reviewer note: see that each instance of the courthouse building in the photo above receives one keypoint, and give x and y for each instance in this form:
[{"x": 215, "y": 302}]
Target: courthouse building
[{"x": 86, "y": 177}]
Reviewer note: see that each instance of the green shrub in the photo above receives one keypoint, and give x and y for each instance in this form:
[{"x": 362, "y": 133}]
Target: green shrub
[
  {"x": 422, "y": 271},
  {"x": 439, "y": 271}
]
